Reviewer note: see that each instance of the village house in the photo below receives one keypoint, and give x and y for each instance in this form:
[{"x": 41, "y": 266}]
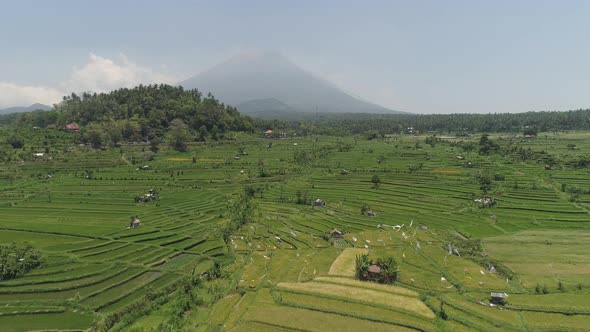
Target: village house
[
  {"x": 498, "y": 298},
  {"x": 374, "y": 269},
  {"x": 135, "y": 222},
  {"x": 336, "y": 234},
  {"x": 319, "y": 202},
  {"x": 268, "y": 133},
  {"x": 72, "y": 127}
]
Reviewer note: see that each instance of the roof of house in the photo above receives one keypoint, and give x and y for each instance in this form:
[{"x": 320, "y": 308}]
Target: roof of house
[
  {"x": 335, "y": 231},
  {"x": 501, "y": 295},
  {"x": 374, "y": 268},
  {"x": 72, "y": 126},
  {"x": 268, "y": 132}
]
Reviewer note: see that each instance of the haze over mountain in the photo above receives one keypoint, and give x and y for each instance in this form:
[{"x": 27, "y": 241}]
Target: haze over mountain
[
  {"x": 267, "y": 82},
  {"x": 22, "y": 109}
]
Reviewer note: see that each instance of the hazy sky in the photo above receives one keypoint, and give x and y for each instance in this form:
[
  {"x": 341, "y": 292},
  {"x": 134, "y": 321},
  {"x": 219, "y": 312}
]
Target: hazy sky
[{"x": 415, "y": 56}]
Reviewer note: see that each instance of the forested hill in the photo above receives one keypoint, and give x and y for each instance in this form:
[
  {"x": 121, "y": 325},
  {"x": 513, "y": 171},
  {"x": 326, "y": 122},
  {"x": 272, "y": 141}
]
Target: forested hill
[
  {"x": 142, "y": 113},
  {"x": 356, "y": 123}
]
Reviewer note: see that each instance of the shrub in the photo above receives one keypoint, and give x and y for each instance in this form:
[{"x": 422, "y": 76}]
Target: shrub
[
  {"x": 15, "y": 260},
  {"x": 389, "y": 269},
  {"x": 376, "y": 181},
  {"x": 16, "y": 141}
]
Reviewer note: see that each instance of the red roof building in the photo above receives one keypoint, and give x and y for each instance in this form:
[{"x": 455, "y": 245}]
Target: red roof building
[
  {"x": 374, "y": 268},
  {"x": 72, "y": 127}
]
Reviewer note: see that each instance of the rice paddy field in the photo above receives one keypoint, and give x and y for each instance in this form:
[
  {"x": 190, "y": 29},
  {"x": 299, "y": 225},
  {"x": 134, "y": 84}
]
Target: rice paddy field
[{"x": 282, "y": 270}]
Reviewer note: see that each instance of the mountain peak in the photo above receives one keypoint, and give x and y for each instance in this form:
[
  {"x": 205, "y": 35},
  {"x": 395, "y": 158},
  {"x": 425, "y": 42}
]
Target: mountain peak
[
  {"x": 22, "y": 109},
  {"x": 260, "y": 74}
]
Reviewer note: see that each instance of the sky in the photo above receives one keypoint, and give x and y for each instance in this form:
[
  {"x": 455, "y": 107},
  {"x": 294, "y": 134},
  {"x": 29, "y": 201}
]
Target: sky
[{"x": 416, "y": 56}]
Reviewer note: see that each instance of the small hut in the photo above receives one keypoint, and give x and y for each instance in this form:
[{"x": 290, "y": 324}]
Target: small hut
[
  {"x": 72, "y": 127},
  {"x": 135, "y": 222},
  {"x": 336, "y": 234},
  {"x": 374, "y": 269},
  {"x": 319, "y": 202},
  {"x": 498, "y": 298},
  {"x": 268, "y": 133}
]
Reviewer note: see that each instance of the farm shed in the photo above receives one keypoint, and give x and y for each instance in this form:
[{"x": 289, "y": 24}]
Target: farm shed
[
  {"x": 135, "y": 222},
  {"x": 498, "y": 298},
  {"x": 319, "y": 202},
  {"x": 72, "y": 127},
  {"x": 374, "y": 269},
  {"x": 336, "y": 233}
]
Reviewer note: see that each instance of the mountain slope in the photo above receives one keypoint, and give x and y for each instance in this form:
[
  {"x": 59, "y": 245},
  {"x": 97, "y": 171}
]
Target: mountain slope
[
  {"x": 268, "y": 75},
  {"x": 22, "y": 109}
]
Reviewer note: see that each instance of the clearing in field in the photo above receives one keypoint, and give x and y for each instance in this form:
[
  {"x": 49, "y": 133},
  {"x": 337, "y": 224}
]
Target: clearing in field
[
  {"x": 344, "y": 264},
  {"x": 545, "y": 257},
  {"x": 392, "y": 301}
]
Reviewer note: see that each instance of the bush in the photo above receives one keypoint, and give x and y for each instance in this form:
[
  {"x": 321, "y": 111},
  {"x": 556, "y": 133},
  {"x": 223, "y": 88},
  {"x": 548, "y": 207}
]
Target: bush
[
  {"x": 388, "y": 274},
  {"x": 15, "y": 261},
  {"x": 16, "y": 141},
  {"x": 376, "y": 181}
]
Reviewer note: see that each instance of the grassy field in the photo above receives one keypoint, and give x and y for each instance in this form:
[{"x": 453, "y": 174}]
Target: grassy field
[{"x": 280, "y": 270}]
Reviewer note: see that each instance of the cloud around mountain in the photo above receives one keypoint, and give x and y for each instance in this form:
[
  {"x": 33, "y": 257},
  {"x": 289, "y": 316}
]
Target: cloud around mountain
[
  {"x": 257, "y": 81},
  {"x": 267, "y": 75}
]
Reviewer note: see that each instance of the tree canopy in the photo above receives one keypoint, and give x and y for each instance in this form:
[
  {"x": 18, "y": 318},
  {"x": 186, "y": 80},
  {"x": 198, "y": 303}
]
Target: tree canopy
[
  {"x": 140, "y": 113},
  {"x": 15, "y": 260}
]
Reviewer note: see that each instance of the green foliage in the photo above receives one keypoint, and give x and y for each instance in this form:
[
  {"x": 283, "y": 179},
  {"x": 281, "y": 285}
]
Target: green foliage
[
  {"x": 16, "y": 261},
  {"x": 362, "y": 266},
  {"x": 560, "y": 286},
  {"x": 155, "y": 145},
  {"x": 487, "y": 146},
  {"x": 302, "y": 197},
  {"x": 431, "y": 140},
  {"x": 241, "y": 211},
  {"x": 15, "y": 141},
  {"x": 388, "y": 274},
  {"x": 373, "y": 134},
  {"x": 415, "y": 167},
  {"x": 485, "y": 182},
  {"x": 142, "y": 113},
  {"x": 93, "y": 135},
  {"x": 180, "y": 134},
  {"x": 364, "y": 208},
  {"x": 376, "y": 181}
]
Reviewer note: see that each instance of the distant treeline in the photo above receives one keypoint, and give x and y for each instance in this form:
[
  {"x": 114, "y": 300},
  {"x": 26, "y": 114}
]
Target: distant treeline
[
  {"x": 145, "y": 112},
  {"x": 140, "y": 113},
  {"x": 357, "y": 123}
]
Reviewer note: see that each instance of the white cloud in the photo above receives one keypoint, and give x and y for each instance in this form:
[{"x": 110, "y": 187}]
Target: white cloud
[
  {"x": 99, "y": 74},
  {"x": 23, "y": 95},
  {"x": 102, "y": 74}
]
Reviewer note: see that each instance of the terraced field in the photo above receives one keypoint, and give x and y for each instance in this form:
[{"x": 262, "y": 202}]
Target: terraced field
[{"x": 281, "y": 271}]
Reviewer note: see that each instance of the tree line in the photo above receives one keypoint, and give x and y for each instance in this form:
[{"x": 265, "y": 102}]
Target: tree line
[
  {"x": 141, "y": 114},
  {"x": 375, "y": 125}
]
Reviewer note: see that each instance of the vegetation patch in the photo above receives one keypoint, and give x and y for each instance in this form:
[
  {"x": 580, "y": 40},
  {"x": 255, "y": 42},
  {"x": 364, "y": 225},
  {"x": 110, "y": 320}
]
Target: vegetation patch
[{"x": 16, "y": 261}]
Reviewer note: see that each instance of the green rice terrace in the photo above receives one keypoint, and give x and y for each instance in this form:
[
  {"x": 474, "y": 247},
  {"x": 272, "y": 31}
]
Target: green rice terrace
[{"x": 258, "y": 234}]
